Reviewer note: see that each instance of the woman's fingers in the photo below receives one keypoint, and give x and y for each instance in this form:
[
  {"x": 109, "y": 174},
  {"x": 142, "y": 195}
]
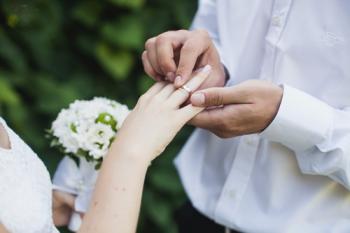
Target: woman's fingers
[
  {"x": 183, "y": 93},
  {"x": 189, "y": 111},
  {"x": 154, "y": 90},
  {"x": 166, "y": 91}
]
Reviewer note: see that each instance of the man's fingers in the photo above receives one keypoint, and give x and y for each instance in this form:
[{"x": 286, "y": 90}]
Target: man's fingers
[
  {"x": 207, "y": 119},
  {"x": 152, "y": 55},
  {"x": 166, "y": 43},
  {"x": 148, "y": 67},
  {"x": 191, "y": 50},
  {"x": 182, "y": 94},
  {"x": 218, "y": 96}
]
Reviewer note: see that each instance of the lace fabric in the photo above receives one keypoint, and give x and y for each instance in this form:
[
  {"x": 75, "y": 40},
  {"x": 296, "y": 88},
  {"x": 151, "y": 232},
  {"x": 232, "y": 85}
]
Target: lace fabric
[{"x": 25, "y": 189}]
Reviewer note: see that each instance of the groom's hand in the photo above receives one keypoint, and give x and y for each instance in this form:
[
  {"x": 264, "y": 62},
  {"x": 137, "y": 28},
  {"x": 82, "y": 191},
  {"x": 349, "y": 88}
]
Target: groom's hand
[
  {"x": 174, "y": 55},
  {"x": 242, "y": 109}
]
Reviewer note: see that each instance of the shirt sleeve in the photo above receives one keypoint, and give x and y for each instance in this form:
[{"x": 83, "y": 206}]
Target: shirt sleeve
[
  {"x": 67, "y": 177},
  {"x": 318, "y": 134}
]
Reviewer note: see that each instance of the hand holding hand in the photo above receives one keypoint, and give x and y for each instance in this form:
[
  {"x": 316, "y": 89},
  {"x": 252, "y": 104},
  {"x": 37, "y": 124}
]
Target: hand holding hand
[
  {"x": 157, "y": 117},
  {"x": 242, "y": 109},
  {"x": 174, "y": 55}
]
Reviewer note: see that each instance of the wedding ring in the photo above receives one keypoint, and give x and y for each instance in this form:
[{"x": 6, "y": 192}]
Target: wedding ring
[{"x": 186, "y": 88}]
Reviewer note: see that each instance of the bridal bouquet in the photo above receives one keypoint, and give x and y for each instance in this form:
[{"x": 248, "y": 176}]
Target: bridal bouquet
[{"x": 86, "y": 129}]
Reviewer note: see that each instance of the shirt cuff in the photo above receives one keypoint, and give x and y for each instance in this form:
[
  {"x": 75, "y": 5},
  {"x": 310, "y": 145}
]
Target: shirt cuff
[{"x": 302, "y": 121}]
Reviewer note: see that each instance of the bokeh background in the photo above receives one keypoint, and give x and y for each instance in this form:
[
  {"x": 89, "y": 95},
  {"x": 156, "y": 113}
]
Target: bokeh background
[{"x": 53, "y": 52}]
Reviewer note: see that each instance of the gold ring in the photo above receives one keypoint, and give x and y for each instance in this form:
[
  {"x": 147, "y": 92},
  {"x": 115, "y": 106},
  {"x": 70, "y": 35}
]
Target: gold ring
[{"x": 186, "y": 88}]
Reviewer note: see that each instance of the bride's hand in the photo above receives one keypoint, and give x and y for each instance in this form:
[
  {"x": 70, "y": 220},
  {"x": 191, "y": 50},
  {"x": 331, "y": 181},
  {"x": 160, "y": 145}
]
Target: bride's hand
[
  {"x": 157, "y": 117},
  {"x": 63, "y": 206}
]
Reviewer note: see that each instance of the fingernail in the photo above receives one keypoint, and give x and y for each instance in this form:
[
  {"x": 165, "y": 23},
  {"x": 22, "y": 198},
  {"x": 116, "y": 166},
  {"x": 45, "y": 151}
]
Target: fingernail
[
  {"x": 198, "y": 99},
  {"x": 178, "y": 81},
  {"x": 206, "y": 69},
  {"x": 170, "y": 76}
]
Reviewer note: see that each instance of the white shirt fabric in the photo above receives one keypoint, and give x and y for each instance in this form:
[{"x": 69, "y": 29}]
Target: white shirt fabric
[{"x": 294, "y": 176}]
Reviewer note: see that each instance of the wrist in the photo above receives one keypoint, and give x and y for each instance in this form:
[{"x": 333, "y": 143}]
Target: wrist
[
  {"x": 273, "y": 105},
  {"x": 130, "y": 154}
]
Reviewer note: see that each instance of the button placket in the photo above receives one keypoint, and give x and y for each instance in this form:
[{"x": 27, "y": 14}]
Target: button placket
[
  {"x": 278, "y": 21},
  {"x": 237, "y": 179}
]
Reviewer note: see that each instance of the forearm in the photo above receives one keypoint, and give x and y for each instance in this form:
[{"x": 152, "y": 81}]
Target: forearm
[{"x": 117, "y": 198}]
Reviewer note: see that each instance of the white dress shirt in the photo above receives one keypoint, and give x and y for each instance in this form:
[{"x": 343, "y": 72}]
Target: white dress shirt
[{"x": 294, "y": 176}]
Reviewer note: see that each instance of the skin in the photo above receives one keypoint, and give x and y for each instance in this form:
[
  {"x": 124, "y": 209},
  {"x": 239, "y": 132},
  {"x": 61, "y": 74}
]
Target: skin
[
  {"x": 4, "y": 139},
  {"x": 149, "y": 128},
  {"x": 247, "y": 108},
  {"x": 62, "y": 208},
  {"x": 174, "y": 55}
]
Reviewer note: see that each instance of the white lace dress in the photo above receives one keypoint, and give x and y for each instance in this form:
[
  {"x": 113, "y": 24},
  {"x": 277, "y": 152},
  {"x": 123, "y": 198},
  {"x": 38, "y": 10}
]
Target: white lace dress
[{"x": 25, "y": 189}]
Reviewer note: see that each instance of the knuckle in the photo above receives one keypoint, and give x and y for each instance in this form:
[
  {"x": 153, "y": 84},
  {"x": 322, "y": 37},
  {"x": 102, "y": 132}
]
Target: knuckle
[
  {"x": 188, "y": 47},
  {"x": 204, "y": 36},
  {"x": 143, "y": 98},
  {"x": 144, "y": 55},
  {"x": 149, "y": 43},
  {"x": 215, "y": 99},
  {"x": 161, "y": 39},
  {"x": 202, "y": 33},
  {"x": 183, "y": 31}
]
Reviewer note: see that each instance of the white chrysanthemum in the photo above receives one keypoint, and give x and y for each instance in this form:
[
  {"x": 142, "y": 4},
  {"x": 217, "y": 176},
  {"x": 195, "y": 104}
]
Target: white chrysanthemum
[
  {"x": 89, "y": 125},
  {"x": 97, "y": 140}
]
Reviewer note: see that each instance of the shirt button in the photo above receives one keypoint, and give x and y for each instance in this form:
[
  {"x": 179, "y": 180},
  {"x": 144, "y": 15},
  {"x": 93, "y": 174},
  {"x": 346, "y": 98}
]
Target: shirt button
[
  {"x": 276, "y": 21},
  {"x": 250, "y": 141}
]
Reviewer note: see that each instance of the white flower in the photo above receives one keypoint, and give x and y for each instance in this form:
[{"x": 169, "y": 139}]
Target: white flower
[
  {"x": 97, "y": 139},
  {"x": 89, "y": 126}
]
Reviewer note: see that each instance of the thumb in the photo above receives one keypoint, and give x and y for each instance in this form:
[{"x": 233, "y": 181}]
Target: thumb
[{"x": 217, "y": 96}]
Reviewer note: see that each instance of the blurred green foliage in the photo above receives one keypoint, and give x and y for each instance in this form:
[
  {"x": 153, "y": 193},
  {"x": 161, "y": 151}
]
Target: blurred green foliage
[{"x": 53, "y": 52}]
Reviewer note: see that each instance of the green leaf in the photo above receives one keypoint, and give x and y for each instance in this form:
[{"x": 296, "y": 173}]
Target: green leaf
[
  {"x": 157, "y": 208},
  {"x": 126, "y": 32},
  {"x": 107, "y": 119},
  {"x": 144, "y": 83},
  {"x": 7, "y": 94},
  {"x": 57, "y": 95},
  {"x": 117, "y": 63},
  {"x": 128, "y": 3},
  {"x": 12, "y": 54},
  {"x": 166, "y": 180},
  {"x": 87, "y": 12}
]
